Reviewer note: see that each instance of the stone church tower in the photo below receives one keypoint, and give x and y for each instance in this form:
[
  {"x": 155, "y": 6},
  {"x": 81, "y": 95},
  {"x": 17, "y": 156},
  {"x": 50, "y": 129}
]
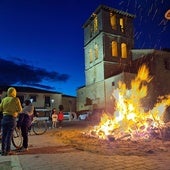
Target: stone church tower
[{"x": 108, "y": 40}]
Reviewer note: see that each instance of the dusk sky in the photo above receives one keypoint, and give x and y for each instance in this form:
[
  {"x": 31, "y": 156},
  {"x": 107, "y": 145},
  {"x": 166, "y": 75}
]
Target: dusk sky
[{"x": 41, "y": 41}]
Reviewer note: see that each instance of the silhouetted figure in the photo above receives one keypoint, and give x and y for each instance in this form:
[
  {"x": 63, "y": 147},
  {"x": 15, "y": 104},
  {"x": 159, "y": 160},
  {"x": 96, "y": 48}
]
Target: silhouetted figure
[{"x": 60, "y": 115}]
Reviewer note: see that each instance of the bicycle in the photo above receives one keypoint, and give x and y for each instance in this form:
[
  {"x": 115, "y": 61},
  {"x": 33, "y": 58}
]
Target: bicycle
[
  {"x": 17, "y": 138},
  {"x": 38, "y": 126}
]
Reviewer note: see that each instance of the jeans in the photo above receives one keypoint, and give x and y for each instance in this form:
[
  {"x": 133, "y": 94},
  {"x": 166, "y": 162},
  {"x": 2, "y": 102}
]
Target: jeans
[
  {"x": 8, "y": 126},
  {"x": 24, "y": 130}
]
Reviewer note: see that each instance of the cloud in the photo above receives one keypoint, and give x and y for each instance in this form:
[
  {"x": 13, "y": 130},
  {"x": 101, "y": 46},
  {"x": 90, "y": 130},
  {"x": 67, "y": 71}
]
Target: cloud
[{"x": 13, "y": 72}]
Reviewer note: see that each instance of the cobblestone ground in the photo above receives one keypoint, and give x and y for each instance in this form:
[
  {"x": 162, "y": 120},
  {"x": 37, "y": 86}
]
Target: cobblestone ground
[{"x": 81, "y": 160}]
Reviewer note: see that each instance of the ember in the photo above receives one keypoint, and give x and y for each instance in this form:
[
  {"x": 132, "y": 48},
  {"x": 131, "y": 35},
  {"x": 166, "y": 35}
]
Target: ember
[{"x": 130, "y": 120}]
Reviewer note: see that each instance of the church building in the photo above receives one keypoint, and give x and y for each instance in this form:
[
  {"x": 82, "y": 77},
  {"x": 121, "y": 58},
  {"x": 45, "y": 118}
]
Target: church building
[{"x": 110, "y": 57}]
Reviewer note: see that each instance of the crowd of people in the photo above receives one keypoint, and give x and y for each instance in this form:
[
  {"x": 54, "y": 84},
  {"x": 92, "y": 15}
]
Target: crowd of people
[{"x": 11, "y": 109}]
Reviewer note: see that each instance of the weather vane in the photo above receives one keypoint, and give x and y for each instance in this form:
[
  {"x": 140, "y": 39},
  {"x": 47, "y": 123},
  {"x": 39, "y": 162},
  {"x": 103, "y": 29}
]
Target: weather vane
[{"x": 167, "y": 14}]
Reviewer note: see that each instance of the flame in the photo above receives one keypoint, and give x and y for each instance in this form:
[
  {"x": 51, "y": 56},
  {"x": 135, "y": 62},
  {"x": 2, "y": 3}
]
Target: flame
[{"x": 129, "y": 119}]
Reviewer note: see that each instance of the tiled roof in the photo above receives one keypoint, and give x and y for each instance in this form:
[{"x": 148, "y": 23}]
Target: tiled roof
[
  {"x": 104, "y": 7},
  {"x": 114, "y": 10}
]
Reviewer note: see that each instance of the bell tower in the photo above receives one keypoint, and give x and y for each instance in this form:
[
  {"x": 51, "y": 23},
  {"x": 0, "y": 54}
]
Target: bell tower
[{"x": 108, "y": 40}]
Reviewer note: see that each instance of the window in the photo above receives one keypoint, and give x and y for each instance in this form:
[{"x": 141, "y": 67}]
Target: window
[
  {"x": 121, "y": 24},
  {"x": 91, "y": 55},
  {"x": 95, "y": 23},
  {"x": 114, "y": 49},
  {"x": 47, "y": 102},
  {"x": 113, "y": 21},
  {"x": 33, "y": 97},
  {"x": 123, "y": 50},
  {"x": 96, "y": 51}
]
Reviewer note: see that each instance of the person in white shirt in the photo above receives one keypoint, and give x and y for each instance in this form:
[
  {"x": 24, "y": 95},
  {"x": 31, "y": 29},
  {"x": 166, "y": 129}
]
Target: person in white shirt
[{"x": 54, "y": 119}]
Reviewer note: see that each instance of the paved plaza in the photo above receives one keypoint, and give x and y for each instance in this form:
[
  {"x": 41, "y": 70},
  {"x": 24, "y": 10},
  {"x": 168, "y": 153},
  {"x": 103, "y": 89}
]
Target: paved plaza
[{"x": 48, "y": 153}]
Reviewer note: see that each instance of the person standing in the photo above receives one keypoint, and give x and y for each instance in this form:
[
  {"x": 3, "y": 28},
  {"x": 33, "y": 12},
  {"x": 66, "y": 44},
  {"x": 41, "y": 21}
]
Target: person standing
[
  {"x": 54, "y": 119},
  {"x": 10, "y": 107},
  {"x": 50, "y": 117},
  {"x": 24, "y": 122},
  {"x": 60, "y": 115}
]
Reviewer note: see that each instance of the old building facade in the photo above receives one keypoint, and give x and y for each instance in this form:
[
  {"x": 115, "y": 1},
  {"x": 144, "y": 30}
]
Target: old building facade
[
  {"x": 110, "y": 57},
  {"x": 43, "y": 100}
]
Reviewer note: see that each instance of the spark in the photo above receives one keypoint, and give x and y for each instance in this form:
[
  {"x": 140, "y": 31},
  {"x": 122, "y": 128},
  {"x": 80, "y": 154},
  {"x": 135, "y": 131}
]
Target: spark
[
  {"x": 139, "y": 6},
  {"x": 121, "y": 2},
  {"x": 150, "y": 10},
  {"x": 163, "y": 22},
  {"x": 136, "y": 4},
  {"x": 143, "y": 45},
  {"x": 164, "y": 29},
  {"x": 138, "y": 34},
  {"x": 154, "y": 14},
  {"x": 128, "y": 3},
  {"x": 141, "y": 18}
]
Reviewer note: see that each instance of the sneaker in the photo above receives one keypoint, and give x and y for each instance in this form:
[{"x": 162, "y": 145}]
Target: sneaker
[
  {"x": 10, "y": 153},
  {"x": 23, "y": 149}
]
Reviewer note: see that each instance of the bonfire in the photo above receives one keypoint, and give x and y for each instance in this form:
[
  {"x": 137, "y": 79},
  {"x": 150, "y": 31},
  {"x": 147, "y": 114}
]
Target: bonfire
[{"x": 130, "y": 120}]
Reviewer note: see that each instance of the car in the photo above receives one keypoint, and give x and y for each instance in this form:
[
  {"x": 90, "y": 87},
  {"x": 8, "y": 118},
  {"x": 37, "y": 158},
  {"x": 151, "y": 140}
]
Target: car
[
  {"x": 70, "y": 116},
  {"x": 66, "y": 116},
  {"x": 84, "y": 116}
]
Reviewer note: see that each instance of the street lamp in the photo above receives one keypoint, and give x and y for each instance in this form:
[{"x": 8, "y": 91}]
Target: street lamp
[{"x": 52, "y": 102}]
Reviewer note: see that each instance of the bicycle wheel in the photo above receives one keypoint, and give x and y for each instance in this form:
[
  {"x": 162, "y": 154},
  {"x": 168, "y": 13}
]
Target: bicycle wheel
[
  {"x": 17, "y": 138},
  {"x": 39, "y": 127}
]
